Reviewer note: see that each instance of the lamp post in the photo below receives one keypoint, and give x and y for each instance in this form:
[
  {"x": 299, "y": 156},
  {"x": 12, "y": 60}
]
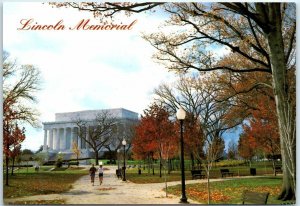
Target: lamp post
[
  {"x": 124, "y": 167},
  {"x": 118, "y": 156},
  {"x": 180, "y": 114}
]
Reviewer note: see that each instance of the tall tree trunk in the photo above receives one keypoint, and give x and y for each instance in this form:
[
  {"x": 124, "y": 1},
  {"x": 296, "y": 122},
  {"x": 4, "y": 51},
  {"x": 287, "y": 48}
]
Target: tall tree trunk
[
  {"x": 96, "y": 158},
  {"x": 285, "y": 111},
  {"x": 193, "y": 161},
  {"x": 13, "y": 166},
  {"x": 6, "y": 162},
  {"x": 208, "y": 186},
  {"x": 166, "y": 184},
  {"x": 152, "y": 166},
  {"x": 273, "y": 164},
  {"x": 160, "y": 166},
  {"x": 148, "y": 164}
]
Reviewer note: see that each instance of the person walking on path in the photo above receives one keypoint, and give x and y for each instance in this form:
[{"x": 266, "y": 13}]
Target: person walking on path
[
  {"x": 93, "y": 173},
  {"x": 100, "y": 170}
]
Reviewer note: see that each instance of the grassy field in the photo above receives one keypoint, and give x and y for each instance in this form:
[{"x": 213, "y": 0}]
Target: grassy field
[
  {"x": 148, "y": 177},
  {"x": 229, "y": 192},
  {"x": 27, "y": 182}
]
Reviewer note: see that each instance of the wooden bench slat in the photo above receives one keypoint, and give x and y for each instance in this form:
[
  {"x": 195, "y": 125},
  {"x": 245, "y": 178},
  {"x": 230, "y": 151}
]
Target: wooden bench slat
[
  {"x": 225, "y": 172},
  {"x": 197, "y": 173}
]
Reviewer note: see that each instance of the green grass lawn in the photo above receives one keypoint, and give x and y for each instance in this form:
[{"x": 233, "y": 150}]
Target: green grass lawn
[
  {"x": 28, "y": 182},
  {"x": 230, "y": 191},
  {"x": 146, "y": 177}
]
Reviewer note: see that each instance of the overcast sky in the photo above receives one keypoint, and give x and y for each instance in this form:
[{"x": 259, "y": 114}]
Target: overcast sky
[{"x": 83, "y": 70}]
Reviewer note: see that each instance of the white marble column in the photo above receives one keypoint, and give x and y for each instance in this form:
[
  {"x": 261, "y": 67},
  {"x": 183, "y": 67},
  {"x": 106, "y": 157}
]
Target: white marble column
[
  {"x": 63, "y": 139},
  {"x": 45, "y": 140},
  {"x": 66, "y": 138},
  {"x": 69, "y": 138},
  {"x": 54, "y": 138},
  {"x": 51, "y": 139},
  {"x": 57, "y": 140}
]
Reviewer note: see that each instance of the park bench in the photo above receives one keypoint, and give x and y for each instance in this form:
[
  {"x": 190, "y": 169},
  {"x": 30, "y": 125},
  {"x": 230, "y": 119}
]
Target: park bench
[
  {"x": 225, "y": 172},
  {"x": 277, "y": 169},
  {"x": 254, "y": 198},
  {"x": 197, "y": 173}
]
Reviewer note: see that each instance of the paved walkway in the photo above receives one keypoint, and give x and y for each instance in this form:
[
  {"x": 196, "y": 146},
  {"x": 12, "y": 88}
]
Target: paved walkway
[{"x": 113, "y": 191}]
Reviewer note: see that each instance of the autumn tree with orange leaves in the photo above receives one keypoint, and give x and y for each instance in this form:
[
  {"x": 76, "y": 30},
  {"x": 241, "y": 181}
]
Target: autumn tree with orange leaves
[
  {"x": 261, "y": 133},
  {"x": 247, "y": 147},
  {"x": 17, "y": 137},
  {"x": 13, "y": 136},
  {"x": 255, "y": 104},
  {"x": 20, "y": 83},
  {"x": 155, "y": 135}
]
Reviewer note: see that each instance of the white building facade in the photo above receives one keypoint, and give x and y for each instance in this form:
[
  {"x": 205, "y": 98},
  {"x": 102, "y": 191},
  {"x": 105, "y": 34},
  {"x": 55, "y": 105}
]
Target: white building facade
[{"x": 60, "y": 134}]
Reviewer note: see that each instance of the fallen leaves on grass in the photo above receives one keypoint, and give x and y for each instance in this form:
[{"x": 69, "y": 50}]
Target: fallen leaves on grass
[
  {"x": 230, "y": 192},
  {"x": 36, "y": 184},
  {"x": 215, "y": 196},
  {"x": 275, "y": 190}
]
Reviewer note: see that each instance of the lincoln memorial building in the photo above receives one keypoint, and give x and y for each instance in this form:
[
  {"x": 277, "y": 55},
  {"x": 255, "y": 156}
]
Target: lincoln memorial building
[{"x": 60, "y": 134}]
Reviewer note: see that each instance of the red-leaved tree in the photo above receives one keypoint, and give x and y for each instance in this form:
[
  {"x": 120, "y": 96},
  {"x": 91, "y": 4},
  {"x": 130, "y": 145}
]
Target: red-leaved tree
[{"x": 155, "y": 135}]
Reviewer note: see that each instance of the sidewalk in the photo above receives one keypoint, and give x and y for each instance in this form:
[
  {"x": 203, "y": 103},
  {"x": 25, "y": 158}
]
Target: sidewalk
[{"x": 114, "y": 191}]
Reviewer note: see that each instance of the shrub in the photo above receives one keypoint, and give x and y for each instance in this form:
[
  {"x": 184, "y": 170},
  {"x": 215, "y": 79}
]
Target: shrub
[{"x": 58, "y": 163}]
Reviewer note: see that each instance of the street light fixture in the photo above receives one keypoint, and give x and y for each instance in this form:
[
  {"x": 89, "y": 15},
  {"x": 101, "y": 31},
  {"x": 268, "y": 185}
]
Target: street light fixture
[
  {"x": 180, "y": 114},
  {"x": 124, "y": 167}
]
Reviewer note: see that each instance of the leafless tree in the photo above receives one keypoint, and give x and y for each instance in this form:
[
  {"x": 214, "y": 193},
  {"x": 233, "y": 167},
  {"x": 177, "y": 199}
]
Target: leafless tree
[
  {"x": 125, "y": 130},
  {"x": 20, "y": 85},
  {"x": 97, "y": 133}
]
